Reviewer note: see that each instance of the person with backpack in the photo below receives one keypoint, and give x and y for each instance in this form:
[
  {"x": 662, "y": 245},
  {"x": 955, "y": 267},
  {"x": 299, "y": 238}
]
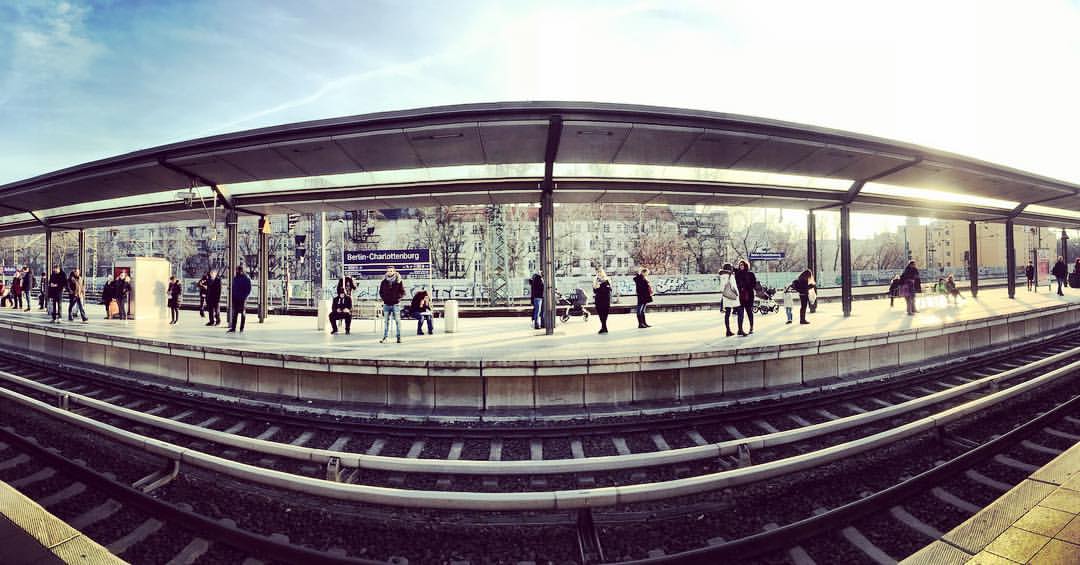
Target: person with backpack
[
  {"x": 213, "y": 298},
  {"x": 602, "y": 298},
  {"x": 729, "y": 296},
  {"x": 803, "y": 285},
  {"x": 76, "y": 294},
  {"x": 643, "y": 289},
  {"x": 391, "y": 290},
  {"x": 747, "y": 283},
  {"x": 239, "y": 291}
]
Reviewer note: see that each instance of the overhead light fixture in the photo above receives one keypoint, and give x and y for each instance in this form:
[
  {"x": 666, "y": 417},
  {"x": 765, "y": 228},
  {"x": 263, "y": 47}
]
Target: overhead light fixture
[{"x": 593, "y": 132}]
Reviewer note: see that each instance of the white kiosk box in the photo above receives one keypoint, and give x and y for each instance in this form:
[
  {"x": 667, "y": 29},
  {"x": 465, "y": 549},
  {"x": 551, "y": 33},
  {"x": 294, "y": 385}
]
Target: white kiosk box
[{"x": 149, "y": 281}]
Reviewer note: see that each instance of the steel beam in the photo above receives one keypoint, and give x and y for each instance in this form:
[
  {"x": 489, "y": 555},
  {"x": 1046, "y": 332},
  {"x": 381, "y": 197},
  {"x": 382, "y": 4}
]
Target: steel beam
[
  {"x": 1010, "y": 258},
  {"x": 264, "y": 267},
  {"x": 222, "y": 192},
  {"x": 973, "y": 258},
  {"x": 232, "y": 258},
  {"x": 547, "y": 222},
  {"x": 845, "y": 259}
]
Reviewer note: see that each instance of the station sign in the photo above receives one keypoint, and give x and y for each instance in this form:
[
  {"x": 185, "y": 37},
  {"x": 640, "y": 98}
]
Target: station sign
[
  {"x": 766, "y": 255},
  {"x": 373, "y": 263},
  {"x": 8, "y": 270}
]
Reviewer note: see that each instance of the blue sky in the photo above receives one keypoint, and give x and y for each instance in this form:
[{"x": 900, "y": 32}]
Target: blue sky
[{"x": 86, "y": 80}]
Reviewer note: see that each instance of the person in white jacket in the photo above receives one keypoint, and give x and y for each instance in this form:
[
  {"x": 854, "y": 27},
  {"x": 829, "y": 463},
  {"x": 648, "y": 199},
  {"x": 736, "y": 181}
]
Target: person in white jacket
[
  {"x": 729, "y": 295},
  {"x": 789, "y": 301}
]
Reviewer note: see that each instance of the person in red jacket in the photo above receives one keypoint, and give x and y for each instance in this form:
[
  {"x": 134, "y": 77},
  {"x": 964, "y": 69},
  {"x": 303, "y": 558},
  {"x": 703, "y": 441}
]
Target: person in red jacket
[{"x": 391, "y": 290}]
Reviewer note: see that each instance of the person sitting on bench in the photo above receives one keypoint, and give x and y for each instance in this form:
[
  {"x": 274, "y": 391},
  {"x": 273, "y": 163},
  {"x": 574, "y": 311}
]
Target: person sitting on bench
[
  {"x": 421, "y": 310},
  {"x": 341, "y": 309}
]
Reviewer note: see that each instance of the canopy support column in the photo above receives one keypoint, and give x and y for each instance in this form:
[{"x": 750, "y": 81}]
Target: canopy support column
[
  {"x": 973, "y": 258},
  {"x": 811, "y": 249},
  {"x": 232, "y": 258},
  {"x": 547, "y": 223},
  {"x": 1010, "y": 258},
  {"x": 1064, "y": 246},
  {"x": 80, "y": 261},
  {"x": 264, "y": 267},
  {"x": 48, "y": 253},
  {"x": 845, "y": 258}
]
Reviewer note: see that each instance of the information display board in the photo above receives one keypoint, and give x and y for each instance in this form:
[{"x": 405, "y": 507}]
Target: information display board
[{"x": 411, "y": 263}]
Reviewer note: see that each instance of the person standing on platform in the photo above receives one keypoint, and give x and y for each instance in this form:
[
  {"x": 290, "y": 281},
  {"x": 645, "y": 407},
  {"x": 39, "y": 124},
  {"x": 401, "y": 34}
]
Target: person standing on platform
[
  {"x": 536, "y": 293},
  {"x": 602, "y": 298},
  {"x": 894, "y": 289},
  {"x": 240, "y": 290},
  {"x": 803, "y": 285},
  {"x": 213, "y": 298},
  {"x": 43, "y": 290},
  {"x": 644, "y": 291},
  {"x": 1074, "y": 277},
  {"x": 107, "y": 297},
  {"x": 729, "y": 296},
  {"x": 76, "y": 294},
  {"x": 122, "y": 292},
  {"x": 909, "y": 286},
  {"x": 202, "y": 293},
  {"x": 1060, "y": 271},
  {"x": 421, "y": 310},
  {"x": 27, "y": 285},
  {"x": 747, "y": 283},
  {"x": 56, "y": 285},
  {"x": 1029, "y": 272},
  {"x": 789, "y": 302},
  {"x": 16, "y": 290},
  {"x": 341, "y": 309},
  {"x": 391, "y": 290},
  {"x": 174, "y": 291}
]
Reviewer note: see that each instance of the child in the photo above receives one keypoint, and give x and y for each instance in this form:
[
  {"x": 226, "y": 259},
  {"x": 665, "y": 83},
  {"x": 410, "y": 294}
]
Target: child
[
  {"x": 894, "y": 289},
  {"x": 789, "y": 301}
]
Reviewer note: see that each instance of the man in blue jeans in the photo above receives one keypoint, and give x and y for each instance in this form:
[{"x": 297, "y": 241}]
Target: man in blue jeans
[
  {"x": 391, "y": 290},
  {"x": 536, "y": 292}
]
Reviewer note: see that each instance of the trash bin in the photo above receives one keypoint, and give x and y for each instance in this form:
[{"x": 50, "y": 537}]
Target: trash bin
[
  {"x": 450, "y": 316},
  {"x": 322, "y": 322}
]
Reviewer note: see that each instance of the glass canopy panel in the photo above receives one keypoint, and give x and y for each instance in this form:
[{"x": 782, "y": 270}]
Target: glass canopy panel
[
  {"x": 1051, "y": 211},
  {"x": 401, "y": 176},
  {"x": 698, "y": 174},
  {"x": 928, "y": 195}
]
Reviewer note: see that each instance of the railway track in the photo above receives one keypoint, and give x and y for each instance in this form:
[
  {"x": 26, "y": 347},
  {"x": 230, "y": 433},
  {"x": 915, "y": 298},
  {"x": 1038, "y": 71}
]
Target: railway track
[{"x": 613, "y": 512}]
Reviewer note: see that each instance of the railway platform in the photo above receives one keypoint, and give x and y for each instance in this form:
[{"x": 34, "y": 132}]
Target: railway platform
[
  {"x": 1037, "y": 522},
  {"x": 29, "y": 534},
  {"x": 503, "y": 364}
]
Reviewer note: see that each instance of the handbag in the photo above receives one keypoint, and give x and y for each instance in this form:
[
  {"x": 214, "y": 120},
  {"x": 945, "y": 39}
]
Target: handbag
[
  {"x": 811, "y": 296},
  {"x": 114, "y": 308},
  {"x": 729, "y": 292}
]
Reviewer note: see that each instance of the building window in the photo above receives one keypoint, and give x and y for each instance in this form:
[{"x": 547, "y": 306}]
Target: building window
[
  {"x": 607, "y": 227},
  {"x": 478, "y": 246}
]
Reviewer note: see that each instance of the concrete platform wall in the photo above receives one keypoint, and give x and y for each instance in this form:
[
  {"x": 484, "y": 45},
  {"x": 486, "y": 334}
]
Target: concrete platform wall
[{"x": 690, "y": 377}]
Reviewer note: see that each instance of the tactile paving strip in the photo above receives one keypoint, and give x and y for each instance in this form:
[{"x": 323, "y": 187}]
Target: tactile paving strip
[
  {"x": 66, "y": 544},
  {"x": 981, "y": 529}
]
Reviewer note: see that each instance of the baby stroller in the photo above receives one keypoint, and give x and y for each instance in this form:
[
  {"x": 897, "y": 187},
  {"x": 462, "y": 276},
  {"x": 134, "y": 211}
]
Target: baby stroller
[
  {"x": 763, "y": 300},
  {"x": 575, "y": 305}
]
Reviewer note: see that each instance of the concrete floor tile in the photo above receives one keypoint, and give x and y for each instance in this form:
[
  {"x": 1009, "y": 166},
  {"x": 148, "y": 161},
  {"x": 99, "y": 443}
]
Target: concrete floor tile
[{"x": 1017, "y": 545}]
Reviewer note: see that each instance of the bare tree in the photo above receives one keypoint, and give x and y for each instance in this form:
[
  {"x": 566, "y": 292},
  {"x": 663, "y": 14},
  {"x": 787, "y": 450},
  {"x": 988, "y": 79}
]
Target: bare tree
[
  {"x": 443, "y": 232},
  {"x": 660, "y": 252}
]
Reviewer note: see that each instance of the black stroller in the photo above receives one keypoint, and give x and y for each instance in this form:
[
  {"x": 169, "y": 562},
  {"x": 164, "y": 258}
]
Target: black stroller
[{"x": 575, "y": 305}]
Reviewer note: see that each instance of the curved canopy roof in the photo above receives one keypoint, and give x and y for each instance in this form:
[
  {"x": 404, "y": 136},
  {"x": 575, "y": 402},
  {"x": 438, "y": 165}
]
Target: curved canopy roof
[{"x": 497, "y": 152}]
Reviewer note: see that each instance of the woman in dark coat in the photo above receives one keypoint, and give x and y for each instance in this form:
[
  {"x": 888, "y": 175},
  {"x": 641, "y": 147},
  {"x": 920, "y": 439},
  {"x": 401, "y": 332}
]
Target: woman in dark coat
[
  {"x": 802, "y": 285},
  {"x": 747, "y": 282},
  {"x": 602, "y": 298},
  {"x": 644, "y": 292},
  {"x": 536, "y": 295},
  {"x": 909, "y": 285},
  {"x": 175, "y": 290}
]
